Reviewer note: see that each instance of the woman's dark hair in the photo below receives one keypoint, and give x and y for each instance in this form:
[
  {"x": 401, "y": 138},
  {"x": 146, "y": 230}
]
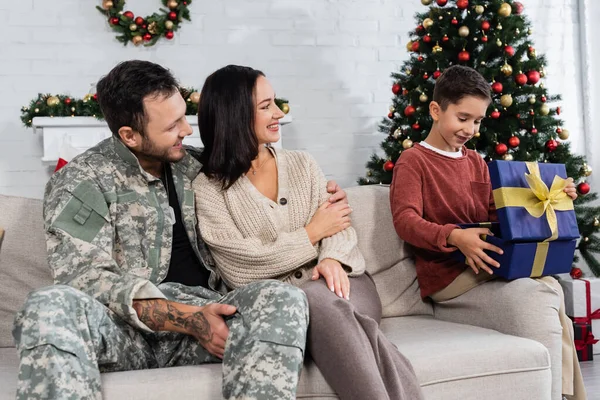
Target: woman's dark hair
[
  {"x": 121, "y": 93},
  {"x": 226, "y": 123}
]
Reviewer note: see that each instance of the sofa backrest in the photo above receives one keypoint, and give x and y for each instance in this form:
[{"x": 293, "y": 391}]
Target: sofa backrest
[
  {"x": 388, "y": 258},
  {"x": 23, "y": 265}
]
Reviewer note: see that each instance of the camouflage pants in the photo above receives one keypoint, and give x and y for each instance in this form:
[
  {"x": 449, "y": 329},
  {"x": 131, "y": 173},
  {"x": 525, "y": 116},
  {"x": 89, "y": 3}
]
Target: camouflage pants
[{"x": 65, "y": 339}]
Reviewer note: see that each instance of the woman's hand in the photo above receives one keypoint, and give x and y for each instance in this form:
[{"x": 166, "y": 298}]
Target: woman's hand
[
  {"x": 328, "y": 220},
  {"x": 335, "y": 276}
]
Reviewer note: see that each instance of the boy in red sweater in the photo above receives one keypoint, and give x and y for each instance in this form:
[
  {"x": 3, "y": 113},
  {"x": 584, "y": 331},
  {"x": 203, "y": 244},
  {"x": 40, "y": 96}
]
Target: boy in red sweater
[{"x": 438, "y": 184}]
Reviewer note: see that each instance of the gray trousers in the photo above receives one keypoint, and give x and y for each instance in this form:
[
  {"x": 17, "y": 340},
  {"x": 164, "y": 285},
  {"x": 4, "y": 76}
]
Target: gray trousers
[
  {"x": 66, "y": 338},
  {"x": 353, "y": 355}
]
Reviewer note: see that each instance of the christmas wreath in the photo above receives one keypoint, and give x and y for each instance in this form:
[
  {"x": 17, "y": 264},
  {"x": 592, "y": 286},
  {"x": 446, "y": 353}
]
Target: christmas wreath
[
  {"x": 47, "y": 105},
  {"x": 138, "y": 30}
]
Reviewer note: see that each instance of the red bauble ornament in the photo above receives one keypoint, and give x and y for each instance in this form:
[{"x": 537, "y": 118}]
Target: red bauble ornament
[
  {"x": 139, "y": 21},
  {"x": 420, "y": 28},
  {"x": 445, "y": 39},
  {"x": 147, "y": 37},
  {"x": 521, "y": 79},
  {"x": 558, "y": 130},
  {"x": 495, "y": 114},
  {"x": 416, "y": 126},
  {"x": 464, "y": 56},
  {"x": 534, "y": 131},
  {"x": 543, "y": 99},
  {"x": 485, "y": 25},
  {"x": 441, "y": 3},
  {"x": 557, "y": 110},
  {"x": 454, "y": 21},
  {"x": 172, "y": 16},
  {"x": 501, "y": 149},
  {"x": 95, "y": 97},
  {"x": 169, "y": 35},
  {"x": 518, "y": 7},
  {"x": 67, "y": 101},
  {"x": 533, "y": 77},
  {"x": 396, "y": 88},
  {"x": 427, "y": 39},
  {"x": 436, "y": 74},
  {"x": 128, "y": 14},
  {"x": 583, "y": 188},
  {"x": 551, "y": 145},
  {"x": 114, "y": 21},
  {"x": 514, "y": 141},
  {"x": 144, "y": 26},
  {"x": 576, "y": 273},
  {"x": 388, "y": 166},
  {"x": 425, "y": 75},
  {"x": 415, "y": 46},
  {"x": 497, "y": 87},
  {"x": 391, "y": 115},
  {"x": 405, "y": 92},
  {"x": 509, "y": 50},
  {"x": 462, "y": 4},
  {"x": 409, "y": 111},
  {"x": 420, "y": 58},
  {"x": 484, "y": 39}
]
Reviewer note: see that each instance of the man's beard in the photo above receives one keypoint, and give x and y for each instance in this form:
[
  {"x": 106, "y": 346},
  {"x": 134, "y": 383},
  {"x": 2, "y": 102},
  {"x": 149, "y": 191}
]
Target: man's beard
[{"x": 152, "y": 152}]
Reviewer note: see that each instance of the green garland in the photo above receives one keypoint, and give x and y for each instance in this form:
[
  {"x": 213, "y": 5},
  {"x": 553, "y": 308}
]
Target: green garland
[
  {"x": 138, "y": 30},
  {"x": 47, "y": 105}
]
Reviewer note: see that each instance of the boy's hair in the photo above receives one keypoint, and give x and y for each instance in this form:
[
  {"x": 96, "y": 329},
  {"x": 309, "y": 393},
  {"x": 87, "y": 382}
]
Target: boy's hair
[
  {"x": 458, "y": 82},
  {"x": 122, "y": 91}
]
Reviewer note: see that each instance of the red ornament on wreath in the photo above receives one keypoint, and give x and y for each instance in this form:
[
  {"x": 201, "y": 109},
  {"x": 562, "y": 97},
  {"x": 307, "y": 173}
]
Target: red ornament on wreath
[
  {"x": 436, "y": 74},
  {"x": 128, "y": 14},
  {"x": 462, "y": 4},
  {"x": 114, "y": 21},
  {"x": 576, "y": 273},
  {"x": 497, "y": 87},
  {"x": 139, "y": 21},
  {"x": 551, "y": 145},
  {"x": 485, "y": 25},
  {"x": 409, "y": 110},
  {"x": 533, "y": 77},
  {"x": 169, "y": 35},
  {"x": 441, "y": 3},
  {"x": 509, "y": 50},
  {"x": 464, "y": 56},
  {"x": 495, "y": 114},
  {"x": 172, "y": 16},
  {"x": 514, "y": 141},
  {"x": 147, "y": 37},
  {"x": 583, "y": 188},
  {"x": 396, "y": 88},
  {"x": 67, "y": 101},
  {"x": 521, "y": 79},
  {"x": 388, "y": 166},
  {"x": 501, "y": 149}
]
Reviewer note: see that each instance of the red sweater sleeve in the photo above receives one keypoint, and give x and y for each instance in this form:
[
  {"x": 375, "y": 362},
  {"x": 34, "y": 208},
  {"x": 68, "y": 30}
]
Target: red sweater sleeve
[{"x": 406, "y": 200}]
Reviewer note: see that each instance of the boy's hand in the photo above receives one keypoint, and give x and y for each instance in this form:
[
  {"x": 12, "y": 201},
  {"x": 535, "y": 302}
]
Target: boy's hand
[
  {"x": 469, "y": 242},
  {"x": 571, "y": 190}
]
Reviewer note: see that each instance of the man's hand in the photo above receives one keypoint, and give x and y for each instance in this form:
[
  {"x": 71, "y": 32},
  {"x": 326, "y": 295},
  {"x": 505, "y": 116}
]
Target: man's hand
[
  {"x": 335, "y": 276},
  {"x": 470, "y": 243},
  {"x": 205, "y": 323},
  {"x": 337, "y": 193},
  {"x": 571, "y": 190}
]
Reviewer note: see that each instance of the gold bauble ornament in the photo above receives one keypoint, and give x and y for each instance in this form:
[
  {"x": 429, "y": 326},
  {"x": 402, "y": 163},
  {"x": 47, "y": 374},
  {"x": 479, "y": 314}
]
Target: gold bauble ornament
[
  {"x": 195, "y": 97},
  {"x": 499, "y": 43},
  {"x": 285, "y": 107},
  {"x": 137, "y": 40},
  {"x": 505, "y": 10},
  {"x": 586, "y": 239},
  {"x": 506, "y": 100},
  {"x": 463, "y": 31},
  {"x": 369, "y": 173},
  {"x": 392, "y": 109},
  {"x": 37, "y": 110},
  {"x": 426, "y": 2},
  {"x": 596, "y": 222},
  {"x": 53, "y": 101},
  {"x": 506, "y": 69},
  {"x": 72, "y": 109},
  {"x": 427, "y": 22},
  {"x": 407, "y": 143},
  {"x": 477, "y": 134},
  {"x": 531, "y": 99},
  {"x": 107, "y": 4},
  {"x": 133, "y": 27},
  {"x": 544, "y": 109},
  {"x": 153, "y": 28},
  {"x": 586, "y": 170},
  {"x": 542, "y": 72},
  {"x": 397, "y": 133},
  {"x": 564, "y": 134},
  {"x": 172, "y": 4},
  {"x": 409, "y": 45},
  {"x": 169, "y": 25},
  {"x": 508, "y": 157},
  {"x": 499, "y": 27},
  {"x": 423, "y": 98},
  {"x": 479, "y": 9},
  {"x": 437, "y": 49}
]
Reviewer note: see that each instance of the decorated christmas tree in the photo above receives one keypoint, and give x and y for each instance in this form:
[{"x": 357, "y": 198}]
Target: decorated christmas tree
[{"x": 523, "y": 121}]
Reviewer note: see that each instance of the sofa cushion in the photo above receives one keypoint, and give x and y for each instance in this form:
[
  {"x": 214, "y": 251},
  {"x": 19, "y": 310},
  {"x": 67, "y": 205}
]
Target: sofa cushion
[
  {"x": 386, "y": 255},
  {"x": 23, "y": 265}
]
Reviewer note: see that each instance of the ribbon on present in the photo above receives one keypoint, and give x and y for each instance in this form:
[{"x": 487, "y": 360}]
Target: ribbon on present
[
  {"x": 538, "y": 199},
  {"x": 589, "y": 315},
  {"x": 589, "y": 340}
]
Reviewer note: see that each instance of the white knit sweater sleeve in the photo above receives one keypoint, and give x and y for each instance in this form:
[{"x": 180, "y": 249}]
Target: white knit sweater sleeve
[
  {"x": 342, "y": 246},
  {"x": 241, "y": 260}
]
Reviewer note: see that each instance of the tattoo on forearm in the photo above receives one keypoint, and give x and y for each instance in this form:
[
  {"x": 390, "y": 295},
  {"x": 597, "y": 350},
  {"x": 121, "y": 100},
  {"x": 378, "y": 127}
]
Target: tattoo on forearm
[{"x": 157, "y": 313}]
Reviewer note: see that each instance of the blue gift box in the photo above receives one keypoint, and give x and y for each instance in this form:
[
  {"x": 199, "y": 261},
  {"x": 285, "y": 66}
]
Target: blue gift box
[
  {"x": 522, "y": 259},
  {"x": 528, "y": 196}
]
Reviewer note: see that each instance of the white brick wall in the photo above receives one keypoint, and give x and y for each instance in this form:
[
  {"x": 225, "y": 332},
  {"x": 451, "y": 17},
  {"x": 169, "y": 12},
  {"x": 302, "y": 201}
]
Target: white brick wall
[{"x": 331, "y": 58}]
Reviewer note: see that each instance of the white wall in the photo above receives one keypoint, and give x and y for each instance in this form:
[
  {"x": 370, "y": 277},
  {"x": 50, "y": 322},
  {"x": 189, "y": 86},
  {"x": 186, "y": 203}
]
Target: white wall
[{"x": 331, "y": 58}]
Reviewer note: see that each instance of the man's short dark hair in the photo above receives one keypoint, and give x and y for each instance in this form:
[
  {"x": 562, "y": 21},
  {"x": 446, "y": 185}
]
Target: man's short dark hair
[
  {"x": 121, "y": 93},
  {"x": 458, "y": 82}
]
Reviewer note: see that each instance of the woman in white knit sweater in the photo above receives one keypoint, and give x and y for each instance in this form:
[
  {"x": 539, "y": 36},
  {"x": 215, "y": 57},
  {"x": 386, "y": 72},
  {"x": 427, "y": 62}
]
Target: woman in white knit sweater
[{"x": 265, "y": 214}]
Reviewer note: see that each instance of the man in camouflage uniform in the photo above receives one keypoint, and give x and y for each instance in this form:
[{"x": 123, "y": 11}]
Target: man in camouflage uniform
[{"x": 112, "y": 244}]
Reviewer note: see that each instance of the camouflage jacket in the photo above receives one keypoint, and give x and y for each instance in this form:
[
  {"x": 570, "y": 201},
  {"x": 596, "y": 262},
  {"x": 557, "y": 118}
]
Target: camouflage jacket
[{"x": 108, "y": 226}]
